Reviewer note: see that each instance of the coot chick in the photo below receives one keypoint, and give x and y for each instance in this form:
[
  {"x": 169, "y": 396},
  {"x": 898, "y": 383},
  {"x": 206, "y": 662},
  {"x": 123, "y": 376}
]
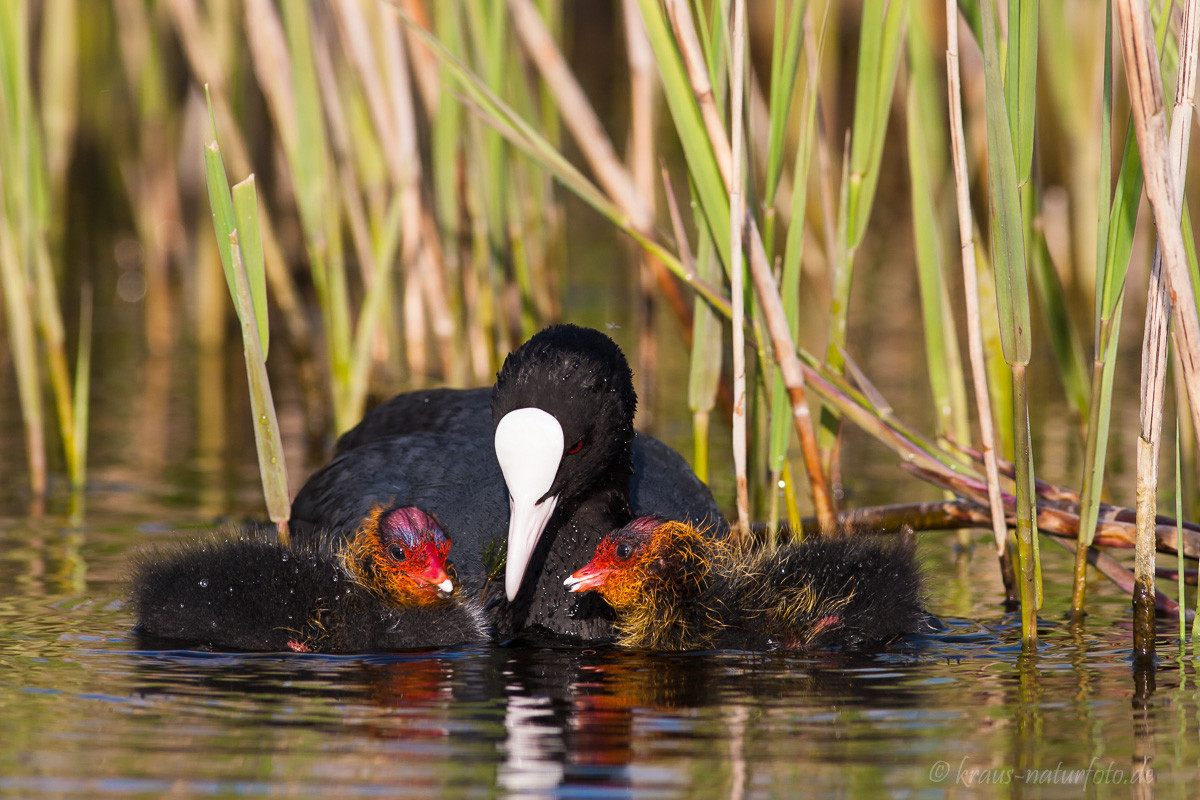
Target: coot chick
[
  {"x": 674, "y": 588},
  {"x": 539, "y": 468},
  {"x": 386, "y": 588}
]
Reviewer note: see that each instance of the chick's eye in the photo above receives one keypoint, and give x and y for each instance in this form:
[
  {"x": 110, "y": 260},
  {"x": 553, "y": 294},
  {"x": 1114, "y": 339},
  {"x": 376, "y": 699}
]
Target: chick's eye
[
  {"x": 575, "y": 448},
  {"x": 624, "y": 550},
  {"x": 397, "y": 553}
]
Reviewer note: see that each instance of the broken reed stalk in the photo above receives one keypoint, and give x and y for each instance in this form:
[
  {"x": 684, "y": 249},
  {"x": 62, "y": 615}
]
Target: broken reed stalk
[
  {"x": 1162, "y": 181},
  {"x": 236, "y": 224}
]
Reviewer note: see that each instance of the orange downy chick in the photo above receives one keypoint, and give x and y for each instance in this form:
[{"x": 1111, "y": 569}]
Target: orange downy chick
[{"x": 674, "y": 588}]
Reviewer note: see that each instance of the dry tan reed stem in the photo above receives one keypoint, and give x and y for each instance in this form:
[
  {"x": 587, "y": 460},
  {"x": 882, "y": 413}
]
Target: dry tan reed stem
[
  {"x": 426, "y": 70},
  {"x": 1160, "y": 160},
  {"x": 578, "y": 114},
  {"x": 642, "y": 91},
  {"x": 962, "y": 191},
  {"x": 360, "y": 52},
  {"x": 1149, "y": 116},
  {"x": 737, "y": 291},
  {"x": 418, "y": 251}
]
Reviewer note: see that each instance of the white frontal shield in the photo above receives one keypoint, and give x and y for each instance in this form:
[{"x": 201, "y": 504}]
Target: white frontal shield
[{"x": 529, "y": 447}]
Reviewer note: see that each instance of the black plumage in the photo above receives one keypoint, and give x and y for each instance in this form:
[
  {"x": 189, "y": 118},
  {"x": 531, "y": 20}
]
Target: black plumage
[
  {"x": 847, "y": 591},
  {"x": 247, "y": 591}
]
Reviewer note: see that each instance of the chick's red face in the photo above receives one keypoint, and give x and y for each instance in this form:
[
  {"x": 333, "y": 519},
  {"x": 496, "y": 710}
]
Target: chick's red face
[
  {"x": 618, "y": 568},
  {"x": 412, "y": 556}
]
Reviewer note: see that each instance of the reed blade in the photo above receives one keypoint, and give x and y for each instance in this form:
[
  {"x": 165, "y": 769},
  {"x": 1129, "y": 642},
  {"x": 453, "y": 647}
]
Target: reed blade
[
  {"x": 786, "y": 47},
  {"x": 230, "y": 209},
  {"x": 689, "y": 125},
  {"x": 245, "y": 208},
  {"x": 271, "y": 465},
  {"x": 83, "y": 386},
  {"x": 880, "y": 45},
  {"x": 1021, "y": 82},
  {"x": 1012, "y": 297},
  {"x": 1008, "y": 241},
  {"x": 926, "y": 167},
  {"x": 791, "y": 269}
]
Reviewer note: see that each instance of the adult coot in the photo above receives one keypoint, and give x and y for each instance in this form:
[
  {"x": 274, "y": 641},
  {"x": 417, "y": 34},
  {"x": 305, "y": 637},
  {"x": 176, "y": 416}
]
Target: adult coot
[
  {"x": 385, "y": 588},
  {"x": 674, "y": 588},
  {"x": 553, "y": 441}
]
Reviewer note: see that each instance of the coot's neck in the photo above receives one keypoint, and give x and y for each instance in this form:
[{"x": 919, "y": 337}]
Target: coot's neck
[
  {"x": 571, "y": 536},
  {"x": 606, "y": 507}
]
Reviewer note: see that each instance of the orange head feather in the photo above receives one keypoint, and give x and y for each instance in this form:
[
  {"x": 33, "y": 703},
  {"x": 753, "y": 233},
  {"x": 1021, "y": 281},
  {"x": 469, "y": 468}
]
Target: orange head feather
[
  {"x": 401, "y": 554},
  {"x": 648, "y": 555}
]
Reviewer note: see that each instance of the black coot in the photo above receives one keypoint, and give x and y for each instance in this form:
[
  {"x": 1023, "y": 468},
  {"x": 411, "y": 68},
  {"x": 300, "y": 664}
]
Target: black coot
[
  {"x": 570, "y": 466},
  {"x": 385, "y": 588}
]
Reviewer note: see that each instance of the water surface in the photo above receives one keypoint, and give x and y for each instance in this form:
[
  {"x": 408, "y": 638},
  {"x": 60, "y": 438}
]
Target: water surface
[{"x": 85, "y": 713}]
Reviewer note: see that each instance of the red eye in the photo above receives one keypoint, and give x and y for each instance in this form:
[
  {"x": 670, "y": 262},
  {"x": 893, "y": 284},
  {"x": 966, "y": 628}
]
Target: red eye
[{"x": 575, "y": 448}]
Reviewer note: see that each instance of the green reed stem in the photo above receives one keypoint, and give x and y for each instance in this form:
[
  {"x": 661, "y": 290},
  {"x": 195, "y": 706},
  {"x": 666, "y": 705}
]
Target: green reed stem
[
  {"x": 1012, "y": 296},
  {"x": 1020, "y": 83},
  {"x": 83, "y": 383},
  {"x": 792, "y": 268},
  {"x": 1179, "y": 564},
  {"x": 29, "y": 280},
  {"x": 880, "y": 41},
  {"x": 704, "y": 375},
  {"x": 1114, "y": 241},
  {"x": 267, "y": 441},
  {"x": 1065, "y": 346}
]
